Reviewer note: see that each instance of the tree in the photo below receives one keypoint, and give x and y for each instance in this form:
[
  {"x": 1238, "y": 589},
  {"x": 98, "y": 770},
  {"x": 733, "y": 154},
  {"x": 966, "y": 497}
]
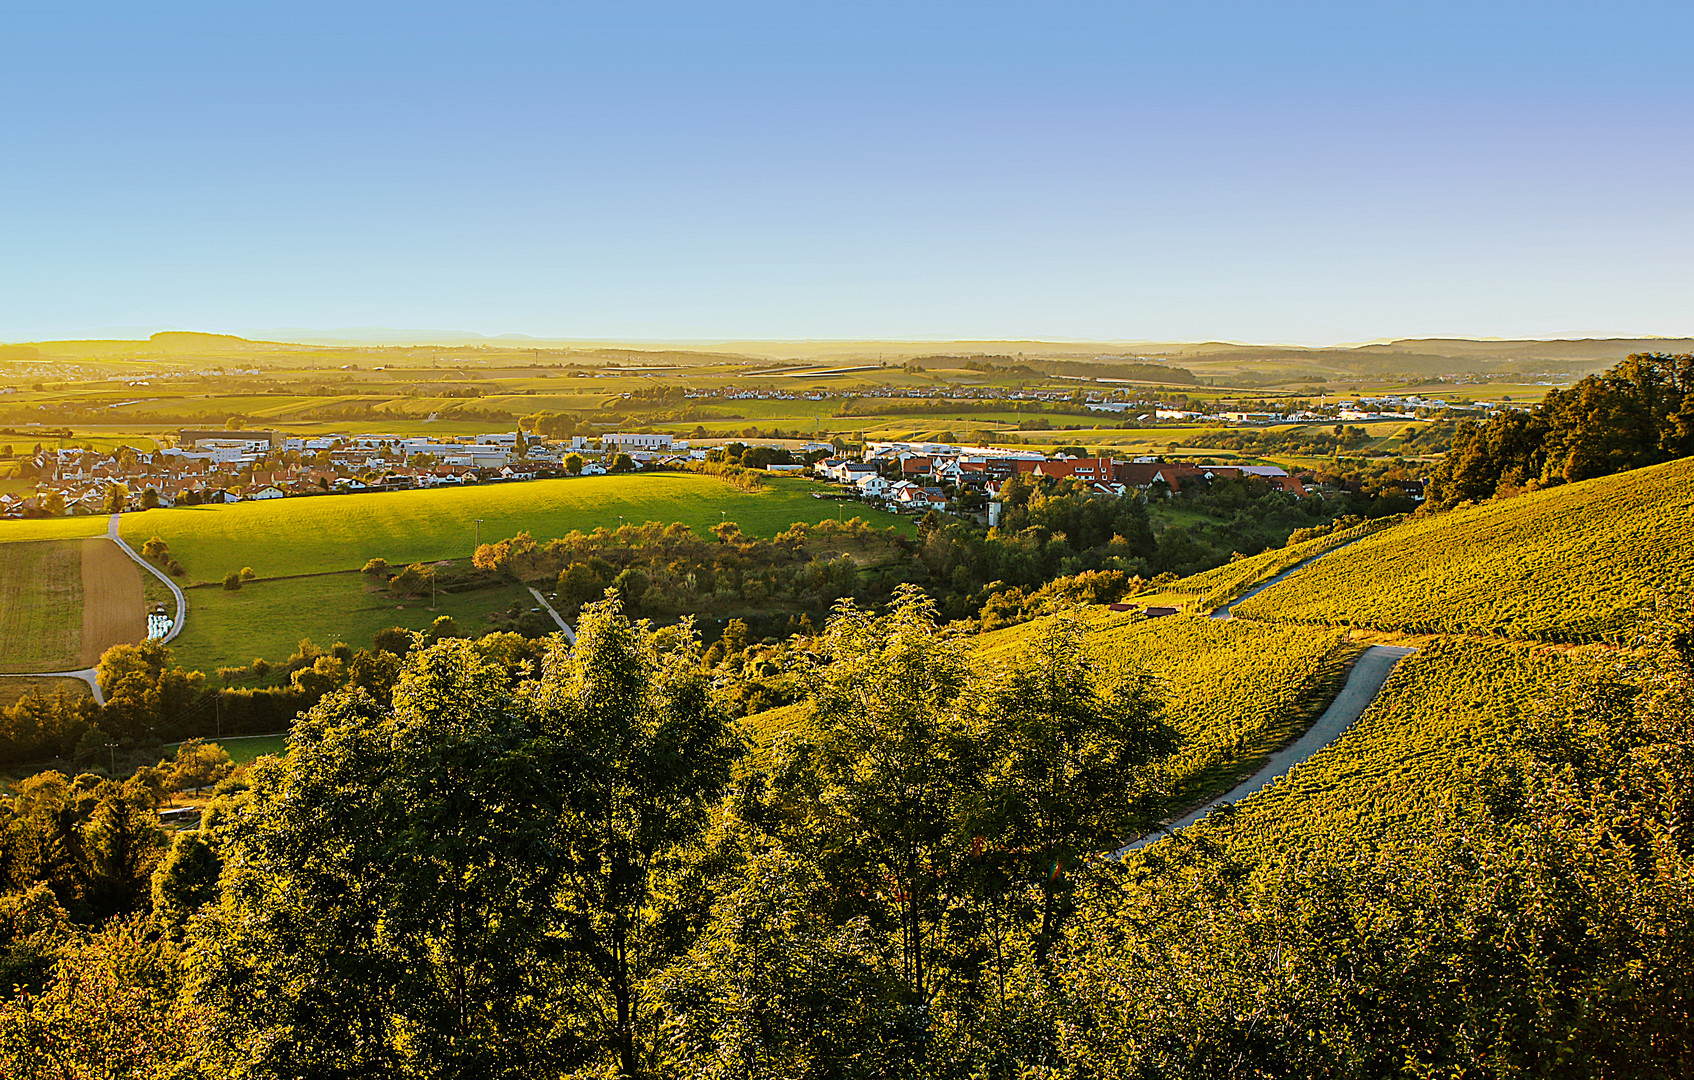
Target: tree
[
  {"x": 631, "y": 585},
  {"x": 573, "y": 464},
  {"x": 232, "y": 581},
  {"x": 897, "y": 770},
  {"x": 117, "y": 498},
  {"x": 186, "y": 879},
  {"x": 395, "y": 639},
  {"x": 234, "y": 423},
  {"x": 110, "y": 1010},
  {"x": 578, "y": 584},
  {"x": 623, "y": 463},
  {"x": 156, "y": 550},
  {"x": 415, "y": 580},
  {"x": 376, "y": 567},
  {"x": 199, "y": 765},
  {"x": 150, "y": 498},
  {"x": 444, "y": 626},
  {"x": 460, "y": 883},
  {"x": 1070, "y": 778}
]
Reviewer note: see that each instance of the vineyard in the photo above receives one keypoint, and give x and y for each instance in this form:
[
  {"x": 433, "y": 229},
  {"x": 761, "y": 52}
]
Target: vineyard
[
  {"x": 1234, "y": 691},
  {"x": 1218, "y": 586},
  {"x": 1450, "y": 714},
  {"x": 1571, "y": 564}
]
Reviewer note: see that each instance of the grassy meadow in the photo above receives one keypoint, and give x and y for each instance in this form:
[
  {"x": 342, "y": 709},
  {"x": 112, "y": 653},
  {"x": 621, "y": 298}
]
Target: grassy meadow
[
  {"x": 341, "y": 532},
  {"x": 269, "y": 617},
  {"x": 41, "y": 606}
]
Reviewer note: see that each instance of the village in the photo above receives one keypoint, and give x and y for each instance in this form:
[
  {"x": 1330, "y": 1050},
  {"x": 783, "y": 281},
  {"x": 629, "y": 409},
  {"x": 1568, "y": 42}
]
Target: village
[{"x": 212, "y": 466}]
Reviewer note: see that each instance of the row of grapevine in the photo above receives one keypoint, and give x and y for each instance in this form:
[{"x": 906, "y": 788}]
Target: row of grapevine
[
  {"x": 1219, "y": 585},
  {"x": 1449, "y": 715},
  {"x": 1571, "y": 564}
]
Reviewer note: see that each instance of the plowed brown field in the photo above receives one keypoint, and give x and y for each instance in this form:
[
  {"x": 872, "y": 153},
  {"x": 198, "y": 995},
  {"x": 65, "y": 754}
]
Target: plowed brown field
[{"x": 113, "y": 609}]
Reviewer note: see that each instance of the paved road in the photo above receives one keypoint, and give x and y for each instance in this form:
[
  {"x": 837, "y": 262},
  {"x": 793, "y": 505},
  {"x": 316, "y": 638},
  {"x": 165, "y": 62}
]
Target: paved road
[
  {"x": 570, "y": 635},
  {"x": 181, "y": 600},
  {"x": 1227, "y": 611},
  {"x": 1363, "y": 684},
  {"x": 87, "y": 675}
]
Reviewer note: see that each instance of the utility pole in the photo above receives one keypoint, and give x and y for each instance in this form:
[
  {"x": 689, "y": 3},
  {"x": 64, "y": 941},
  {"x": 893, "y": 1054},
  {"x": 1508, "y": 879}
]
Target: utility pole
[{"x": 478, "y": 532}]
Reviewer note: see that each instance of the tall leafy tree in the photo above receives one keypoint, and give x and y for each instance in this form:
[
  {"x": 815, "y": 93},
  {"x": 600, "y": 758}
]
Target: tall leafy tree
[
  {"x": 896, "y": 771},
  {"x": 1072, "y": 740}
]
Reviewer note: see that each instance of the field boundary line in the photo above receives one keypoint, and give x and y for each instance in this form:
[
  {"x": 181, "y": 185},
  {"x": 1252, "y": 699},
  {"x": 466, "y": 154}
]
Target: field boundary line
[{"x": 181, "y": 600}]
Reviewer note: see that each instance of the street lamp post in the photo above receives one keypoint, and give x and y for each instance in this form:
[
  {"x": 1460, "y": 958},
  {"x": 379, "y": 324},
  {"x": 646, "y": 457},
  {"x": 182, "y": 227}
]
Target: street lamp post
[{"x": 478, "y": 532}]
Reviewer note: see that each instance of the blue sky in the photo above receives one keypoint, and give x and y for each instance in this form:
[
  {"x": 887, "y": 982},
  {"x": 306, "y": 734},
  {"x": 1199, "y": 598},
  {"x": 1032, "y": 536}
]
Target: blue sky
[{"x": 1262, "y": 172}]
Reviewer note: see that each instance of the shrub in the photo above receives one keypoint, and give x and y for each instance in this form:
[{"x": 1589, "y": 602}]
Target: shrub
[{"x": 232, "y": 580}]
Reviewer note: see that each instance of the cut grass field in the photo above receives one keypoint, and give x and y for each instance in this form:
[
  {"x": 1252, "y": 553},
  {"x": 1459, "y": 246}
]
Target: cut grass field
[
  {"x": 66, "y": 528},
  {"x": 1573, "y": 563},
  {"x": 41, "y": 606},
  {"x": 341, "y": 532},
  {"x": 268, "y": 618}
]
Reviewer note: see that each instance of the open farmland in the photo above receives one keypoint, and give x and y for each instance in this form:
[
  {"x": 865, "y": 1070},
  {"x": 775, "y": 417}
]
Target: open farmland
[
  {"x": 314, "y": 535},
  {"x": 63, "y": 528},
  {"x": 269, "y": 618},
  {"x": 1570, "y": 564},
  {"x": 41, "y": 606},
  {"x": 112, "y": 599}
]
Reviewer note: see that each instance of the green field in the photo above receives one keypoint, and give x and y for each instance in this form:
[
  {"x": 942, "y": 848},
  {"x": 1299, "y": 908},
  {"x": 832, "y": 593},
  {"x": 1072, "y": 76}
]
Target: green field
[
  {"x": 1570, "y": 564},
  {"x": 243, "y": 749},
  {"x": 41, "y": 606},
  {"x": 341, "y": 532},
  {"x": 268, "y": 618},
  {"x": 66, "y": 528}
]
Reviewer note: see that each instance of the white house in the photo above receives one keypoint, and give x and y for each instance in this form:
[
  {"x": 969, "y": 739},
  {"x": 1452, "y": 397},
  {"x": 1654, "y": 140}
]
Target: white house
[{"x": 636, "y": 441}]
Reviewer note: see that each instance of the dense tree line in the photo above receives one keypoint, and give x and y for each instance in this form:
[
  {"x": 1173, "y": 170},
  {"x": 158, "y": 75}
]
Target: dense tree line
[
  {"x": 587, "y": 869},
  {"x": 1639, "y": 413}
]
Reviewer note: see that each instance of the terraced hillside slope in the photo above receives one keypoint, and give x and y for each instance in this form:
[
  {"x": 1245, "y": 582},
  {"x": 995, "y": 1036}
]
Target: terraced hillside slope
[
  {"x": 1572, "y": 564},
  {"x": 1234, "y": 691}
]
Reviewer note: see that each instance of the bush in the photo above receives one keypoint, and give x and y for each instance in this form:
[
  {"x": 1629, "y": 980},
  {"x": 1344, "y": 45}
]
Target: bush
[
  {"x": 376, "y": 567},
  {"x": 247, "y": 573},
  {"x": 232, "y": 581}
]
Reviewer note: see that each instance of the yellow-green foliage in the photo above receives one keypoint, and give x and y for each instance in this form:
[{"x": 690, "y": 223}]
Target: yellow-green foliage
[
  {"x": 1235, "y": 691},
  {"x": 1221, "y": 584},
  {"x": 1450, "y": 713},
  {"x": 1571, "y": 564}
]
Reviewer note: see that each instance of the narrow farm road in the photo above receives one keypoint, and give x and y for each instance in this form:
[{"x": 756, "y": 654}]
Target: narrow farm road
[
  {"x": 87, "y": 675},
  {"x": 1227, "y": 611},
  {"x": 1363, "y": 684},
  {"x": 181, "y": 600},
  {"x": 570, "y": 635}
]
